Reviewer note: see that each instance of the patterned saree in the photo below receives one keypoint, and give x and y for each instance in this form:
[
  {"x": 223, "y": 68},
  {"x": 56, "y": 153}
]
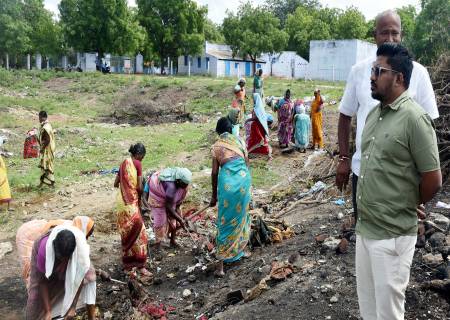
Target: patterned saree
[{"x": 129, "y": 219}]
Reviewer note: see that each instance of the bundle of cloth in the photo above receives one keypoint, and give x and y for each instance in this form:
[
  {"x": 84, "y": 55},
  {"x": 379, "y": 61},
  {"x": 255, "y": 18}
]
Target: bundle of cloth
[{"x": 31, "y": 144}]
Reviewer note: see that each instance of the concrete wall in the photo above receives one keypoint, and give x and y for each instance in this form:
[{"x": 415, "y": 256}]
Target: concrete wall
[
  {"x": 365, "y": 50},
  {"x": 217, "y": 68},
  {"x": 286, "y": 64},
  {"x": 183, "y": 69},
  {"x": 332, "y": 59}
]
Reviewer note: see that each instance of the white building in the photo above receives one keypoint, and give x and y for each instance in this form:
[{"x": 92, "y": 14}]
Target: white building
[
  {"x": 332, "y": 59},
  {"x": 218, "y": 61},
  {"x": 286, "y": 64}
]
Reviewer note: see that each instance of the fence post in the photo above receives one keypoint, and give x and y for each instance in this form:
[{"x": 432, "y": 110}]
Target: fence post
[
  {"x": 189, "y": 66},
  {"x": 64, "y": 62},
  {"x": 171, "y": 68},
  {"x": 28, "y": 62},
  {"x": 7, "y": 61},
  {"x": 48, "y": 64},
  {"x": 38, "y": 61}
]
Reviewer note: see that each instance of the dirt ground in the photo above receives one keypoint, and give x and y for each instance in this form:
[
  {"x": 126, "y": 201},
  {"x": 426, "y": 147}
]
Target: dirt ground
[{"x": 323, "y": 285}]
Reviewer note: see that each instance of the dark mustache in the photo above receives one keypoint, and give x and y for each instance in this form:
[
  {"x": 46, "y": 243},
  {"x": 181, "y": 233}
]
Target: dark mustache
[{"x": 372, "y": 83}]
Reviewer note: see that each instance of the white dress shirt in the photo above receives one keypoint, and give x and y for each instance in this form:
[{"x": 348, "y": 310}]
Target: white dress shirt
[{"x": 358, "y": 100}]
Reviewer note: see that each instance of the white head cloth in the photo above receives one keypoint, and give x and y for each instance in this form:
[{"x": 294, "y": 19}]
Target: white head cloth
[{"x": 77, "y": 267}]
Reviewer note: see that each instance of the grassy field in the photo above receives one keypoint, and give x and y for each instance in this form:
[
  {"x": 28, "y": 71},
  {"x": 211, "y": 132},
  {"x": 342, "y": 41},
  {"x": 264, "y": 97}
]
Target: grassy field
[{"x": 81, "y": 106}]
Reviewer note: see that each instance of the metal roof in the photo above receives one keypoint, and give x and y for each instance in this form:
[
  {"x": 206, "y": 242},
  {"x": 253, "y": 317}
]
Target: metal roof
[{"x": 228, "y": 55}]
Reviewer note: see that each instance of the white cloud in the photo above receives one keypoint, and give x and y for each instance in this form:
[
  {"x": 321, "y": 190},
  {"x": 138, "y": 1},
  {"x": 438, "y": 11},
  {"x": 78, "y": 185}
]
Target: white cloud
[{"x": 217, "y": 8}]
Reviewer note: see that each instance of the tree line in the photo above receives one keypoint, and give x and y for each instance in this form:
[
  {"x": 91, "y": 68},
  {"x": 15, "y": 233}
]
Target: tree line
[{"x": 162, "y": 29}]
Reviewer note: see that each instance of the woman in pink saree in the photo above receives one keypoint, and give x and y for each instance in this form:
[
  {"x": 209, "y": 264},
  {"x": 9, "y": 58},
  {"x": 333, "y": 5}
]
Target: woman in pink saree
[
  {"x": 285, "y": 109},
  {"x": 166, "y": 191}
]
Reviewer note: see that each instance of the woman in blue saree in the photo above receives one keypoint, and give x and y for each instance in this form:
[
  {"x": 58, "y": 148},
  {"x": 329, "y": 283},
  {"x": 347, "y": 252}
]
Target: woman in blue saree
[{"x": 231, "y": 183}]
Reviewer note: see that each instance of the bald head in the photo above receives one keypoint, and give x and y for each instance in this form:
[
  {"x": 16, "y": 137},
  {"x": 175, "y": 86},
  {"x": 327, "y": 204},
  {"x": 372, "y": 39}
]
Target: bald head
[{"x": 388, "y": 27}]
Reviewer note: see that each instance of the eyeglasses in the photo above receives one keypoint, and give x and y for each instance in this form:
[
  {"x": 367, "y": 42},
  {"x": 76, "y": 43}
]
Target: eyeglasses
[{"x": 377, "y": 70}]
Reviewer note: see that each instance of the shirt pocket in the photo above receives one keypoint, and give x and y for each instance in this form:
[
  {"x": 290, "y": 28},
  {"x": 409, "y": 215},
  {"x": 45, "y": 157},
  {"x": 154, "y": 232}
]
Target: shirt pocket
[{"x": 395, "y": 153}]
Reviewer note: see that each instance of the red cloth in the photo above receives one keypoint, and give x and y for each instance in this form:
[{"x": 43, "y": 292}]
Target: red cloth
[
  {"x": 127, "y": 181},
  {"x": 138, "y": 166},
  {"x": 31, "y": 147},
  {"x": 257, "y": 137}
]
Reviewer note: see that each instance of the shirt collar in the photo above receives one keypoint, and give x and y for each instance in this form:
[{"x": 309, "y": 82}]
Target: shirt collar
[{"x": 397, "y": 102}]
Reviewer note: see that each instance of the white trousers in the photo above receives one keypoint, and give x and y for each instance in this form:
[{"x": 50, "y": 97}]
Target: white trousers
[{"x": 382, "y": 275}]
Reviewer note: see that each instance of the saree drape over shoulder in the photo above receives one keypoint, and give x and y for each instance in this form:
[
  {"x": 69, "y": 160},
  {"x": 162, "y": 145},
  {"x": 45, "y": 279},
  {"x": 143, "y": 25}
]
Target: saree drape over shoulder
[
  {"x": 32, "y": 230},
  {"x": 257, "y": 130},
  {"x": 302, "y": 130},
  {"x": 63, "y": 279},
  {"x": 285, "y": 125},
  {"x": 157, "y": 201},
  {"x": 316, "y": 121},
  {"x": 5, "y": 192},
  {"x": 129, "y": 220},
  {"x": 47, "y": 155},
  {"x": 234, "y": 182}
]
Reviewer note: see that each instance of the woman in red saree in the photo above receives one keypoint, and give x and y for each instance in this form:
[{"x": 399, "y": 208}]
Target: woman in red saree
[
  {"x": 257, "y": 130},
  {"x": 129, "y": 220}
]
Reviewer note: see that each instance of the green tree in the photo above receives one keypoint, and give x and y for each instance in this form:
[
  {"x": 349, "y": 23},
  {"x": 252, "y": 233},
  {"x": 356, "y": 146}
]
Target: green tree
[
  {"x": 351, "y": 24},
  {"x": 173, "y": 27},
  {"x": 213, "y": 32},
  {"x": 281, "y": 8},
  {"x": 408, "y": 16},
  {"x": 331, "y": 17},
  {"x": 370, "y": 33},
  {"x": 253, "y": 31},
  {"x": 432, "y": 32},
  {"x": 303, "y": 26},
  {"x": 99, "y": 25},
  {"x": 45, "y": 34},
  {"x": 14, "y": 31}
]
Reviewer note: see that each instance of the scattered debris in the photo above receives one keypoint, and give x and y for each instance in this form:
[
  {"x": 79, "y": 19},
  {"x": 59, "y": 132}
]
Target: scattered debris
[
  {"x": 5, "y": 248},
  {"x": 281, "y": 270},
  {"x": 343, "y": 246},
  {"x": 442, "y": 205},
  {"x": 331, "y": 243},
  {"x": 186, "y": 293},
  {"x": 432, "y": 259}
]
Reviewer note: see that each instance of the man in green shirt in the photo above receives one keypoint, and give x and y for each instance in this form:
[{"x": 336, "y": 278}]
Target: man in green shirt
[{"x": 399, "y": 173}]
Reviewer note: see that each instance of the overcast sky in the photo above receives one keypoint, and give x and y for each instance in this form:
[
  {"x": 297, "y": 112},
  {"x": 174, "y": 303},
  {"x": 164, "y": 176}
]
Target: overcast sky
[{"x": 217, "y": 8}]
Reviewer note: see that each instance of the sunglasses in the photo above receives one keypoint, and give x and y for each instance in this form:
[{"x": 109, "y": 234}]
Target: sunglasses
[{"x": 377, "y": 70}]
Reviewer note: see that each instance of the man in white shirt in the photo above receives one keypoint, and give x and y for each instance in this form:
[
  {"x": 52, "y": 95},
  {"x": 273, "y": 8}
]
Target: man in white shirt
[{"x": 357, "y": 100}]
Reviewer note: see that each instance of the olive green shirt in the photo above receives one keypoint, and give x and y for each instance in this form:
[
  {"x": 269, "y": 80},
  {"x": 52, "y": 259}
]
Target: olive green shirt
[{"x": 398, "y": 143}]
